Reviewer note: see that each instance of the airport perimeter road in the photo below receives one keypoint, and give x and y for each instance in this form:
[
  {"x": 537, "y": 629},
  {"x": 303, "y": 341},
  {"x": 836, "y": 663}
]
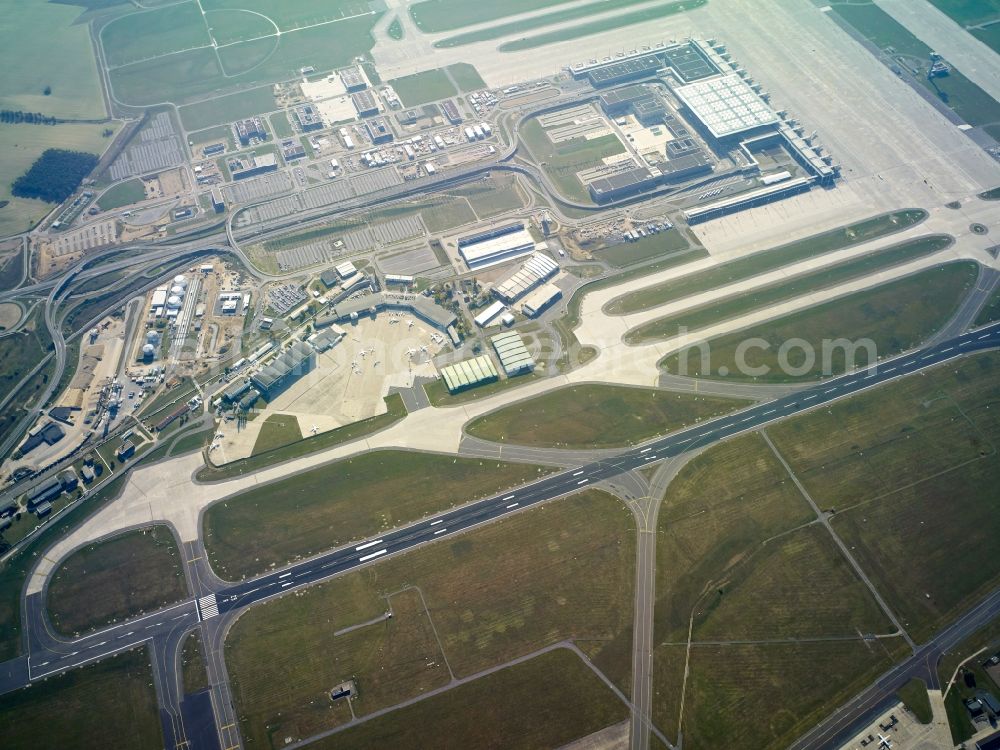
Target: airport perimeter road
[{"x": 49, "y": 655}]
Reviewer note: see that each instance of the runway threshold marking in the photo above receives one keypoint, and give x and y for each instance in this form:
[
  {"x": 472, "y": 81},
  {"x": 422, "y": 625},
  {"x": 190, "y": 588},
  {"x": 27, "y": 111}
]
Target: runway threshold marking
[
  {"x": 435, "y": 523},
  {"x": 440, "y": 531},
  {"x": 366, "y": 545},
  {"x": 363, "y": 558}
]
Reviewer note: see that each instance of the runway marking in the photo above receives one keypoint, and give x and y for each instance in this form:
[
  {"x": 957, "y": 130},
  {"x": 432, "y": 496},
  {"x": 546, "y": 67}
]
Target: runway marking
[
  {"x": 512, "y": 505},
  {"x": 770, "y": 412},
  {"x": 965, "y": 343},
  {"x": 284, "y": 575},
  {"x": 509, "y": 497},
  {"x": 583, "y": 481},
  {"x": 985, "y": 336},
  {"x": 809, "y": 398},
  {"x": 891, "y": 369},
  {"x": 435, "y": 523},
  {"x": 440, "y": 531},
  {"x": 645, "y": 450},
  {"x": 366, "y": 545},
  {"x": 829, "y": 390},
  {"x": 207, "y": 607},
  {"x": 685, "y": 440},
  {"x": 373, "y": 554},
  {"x": 947, "y": 350},
  {"x": 577, "y": 473},
  {"x": 286, "y": 583}
]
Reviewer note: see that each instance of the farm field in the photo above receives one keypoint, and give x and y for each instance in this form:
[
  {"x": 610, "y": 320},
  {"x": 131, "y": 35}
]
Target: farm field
[
  {"x": 21, "y": 145},
  {"x": 122, "y": 577},
  {"x": 84, "y": 707},
  {"x": 597, "y": 416},
  {"x": 563, "y": 160},
  {"x": 901, "y": 453},
  {"x": 65, "y": 62},
  {"x": 346, "y": 500},
  {"x": 743, "y": 303},
  {"x": 547, "y": 701},
  {"x": 762, "y": 262},
  {"x": 894, "y": 316},
  {"x": 571, "y": 561}
]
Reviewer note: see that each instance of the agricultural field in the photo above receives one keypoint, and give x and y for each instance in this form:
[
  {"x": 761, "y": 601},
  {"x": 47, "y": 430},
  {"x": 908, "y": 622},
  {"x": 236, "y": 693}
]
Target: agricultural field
[
  {"x": 888, "y": 461},
  {"x": 895, "y": 317},
  {"x": 227, "y": 109},
  {"x": 21, "y": 146},
  {"x": 561, "y": 571},
  {"x": 597, "y": 416},
  {"x": 547, "y": 701},
  {"x": 749, "y": 301},
  {"x": 646, "y": 15},
  {"x": 84, "y": 707},
  {"x": 331, "y": 505},
  {"x": 765, "y": 261},
  {"x": 64, "y": 63},
  {"x": 122, "y": 577},
  {"x": 562, "y": 161}
]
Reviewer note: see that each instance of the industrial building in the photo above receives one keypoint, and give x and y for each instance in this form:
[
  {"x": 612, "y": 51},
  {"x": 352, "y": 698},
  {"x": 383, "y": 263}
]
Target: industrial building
[
  {"x": 469, "y": 373},
  {"x": 623, "y": 184},
  {"x": 284, "y": 370},
  {"x": 650, "y": 110},
  {"x": 235, "y": 391},
  {"x": 327, "y": 338},
  {"x": 50, "y": 434},
  {"x": 619, "y": 101},
  {"x": 353, "y": 79},
  {"x": 292, "y": 149},
  {"x": 534, "y": 271},
  {"x": 488, "y": 313},
  {"x": 514, "y": 356},
  {"x": 747, "y": 200},
  {"x": 625, "y": 70},
  {"x": 249, "y": 130},
  {"x": 378, "y": 130},
  {"x": 218, "y": 202},
  {"x": 365, "y": 103},
  {"x": 496, "y": 245},
  {"x": 451, "y": 111},
  {"x": 253, "y": 166},
  {"x": 726, "y": 105},
  {"x": 539, "y": 300},
  {"x": 307, "y": 117}
]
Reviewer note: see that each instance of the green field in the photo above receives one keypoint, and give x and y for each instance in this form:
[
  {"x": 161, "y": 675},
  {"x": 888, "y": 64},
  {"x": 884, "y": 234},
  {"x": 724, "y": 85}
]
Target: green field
[
  {"x": 651, "y": 246},
  {"x": 351, "y": 499},
  {"x": 154, "y": 33},
  {"x": 967, "y": 100},
  {"x": 280, "y": 125},
  {"x": 894, "y": 316},
  {"x": 888, "y": 461},
  {"x": 548, "y": 701},
  {"x": 536, "y": 22},
  {"x": 86, "y": 707},
  {"x": 914, "y": 696},
  {"x": 122, "y": 577},
  {"x": 492, "y": 196},
  {"x": 990, "y": 311},
  {"x": 21, "y": 145},
  {"x": 227, "y": 109},
  {"x": 43, "y": 46},
  {"x": 768, "y": 295},
  {"x": 969, "y": 12},
  {"x": 123, "y": 194},
  {"x": 421, "y": 88},
  {"x": 597, "y": 416},
  {"x": 764, "y": 261},
  {"x": 447, "y": 213},
  {"x": 277, "y": 431},
  {"x": 646, "y": 15},
  {"x": 395, "y": 411},
  {"x": 446, "y": 15},
  {"x": 466, "y": 77},
  {"x": 561, "y": 571},
  {"x": 562, "y": 161},
  {"x": 395, "y": 29}
]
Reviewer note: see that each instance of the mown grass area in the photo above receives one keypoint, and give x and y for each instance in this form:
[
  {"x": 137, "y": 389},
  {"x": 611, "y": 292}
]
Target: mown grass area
[
  {"x": 562, "y": 161},
  {"x": 194, "y": 675},
  {"x": 140, "y": 36},
  {"x": 545, "y": 702},
  {"x": 227, "y": 109},
  {"x": 45, "y": 46},
  {"x": 122, "y": 577},
  {"x": 789, "y": 687},
  {"x": 960, "y": 94},
  {"x": 438, "y": 395},
  {"x": 914, "y": 696},
  {"x": 535, "y": 22},
  {"x": 466, "y": 77},
  {"x": 277, "y": 431},
  {"x": 123, "y": 194},
  {"x": 986, "y": 639},
  {"x": 895, "y": 317},
  {"x": 395, "y": 29},
  {"x": 87, "y": 707},
  {"x": 351, "y": 499},
  {"x": 395, "y": 411},
  {"x": 447, "y": 213},
  {"x": 491, "y": 196},
  {"x": 969, "y": 12},
  {"x": 560, "y": 571},
  {"x": 421, "y": 88},
  {"x": 888, "y": 460},
  {"x": 651, "y": 246},
  {"x": 990, "y": 312},
  {"x": 446, "y": 15},
  {"x": 762, "y": 262},
  {"x": 646, "y": 15},
  {"x": 194, "y": 441},
  {"x": 768, "y": 295},
  {"x": 597, "y": 416}
]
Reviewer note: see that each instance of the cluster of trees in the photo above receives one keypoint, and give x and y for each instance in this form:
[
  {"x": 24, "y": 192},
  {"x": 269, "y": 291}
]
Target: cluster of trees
[
  {"x": 17, "y": 117},
  {"x": 54, "y": 175}
]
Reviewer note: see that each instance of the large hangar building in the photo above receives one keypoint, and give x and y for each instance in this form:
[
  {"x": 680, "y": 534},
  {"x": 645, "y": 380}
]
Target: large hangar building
[
  {"x": 496, "y": 245},
  {"x": 284, "y": 370}
]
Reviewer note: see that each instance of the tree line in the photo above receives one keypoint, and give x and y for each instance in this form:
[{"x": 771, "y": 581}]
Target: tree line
[
  {"x": 54, "y": 175},
  {"x": 18, "y": 117}
]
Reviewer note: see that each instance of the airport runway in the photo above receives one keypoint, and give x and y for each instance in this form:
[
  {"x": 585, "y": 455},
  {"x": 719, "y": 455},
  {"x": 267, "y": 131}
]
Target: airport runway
[{"x": 50, "y": 655}]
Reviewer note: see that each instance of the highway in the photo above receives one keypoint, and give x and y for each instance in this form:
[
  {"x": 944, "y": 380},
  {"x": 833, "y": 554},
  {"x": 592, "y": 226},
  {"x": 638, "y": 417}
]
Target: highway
[{"x": 49, "y": 655}]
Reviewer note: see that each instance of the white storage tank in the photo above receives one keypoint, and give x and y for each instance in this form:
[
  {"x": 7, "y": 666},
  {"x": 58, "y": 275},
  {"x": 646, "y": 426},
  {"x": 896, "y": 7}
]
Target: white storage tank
[
  {"x": 153, "y": 337},
  {"x": 148, "y": 352},
  {"x": 179, "y": 280},
  {"x": 173, "y": 302},
  {"x": 177, "y": 291}
]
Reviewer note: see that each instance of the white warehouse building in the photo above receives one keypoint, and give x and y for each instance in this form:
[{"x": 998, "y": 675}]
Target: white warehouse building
[{"x": 496, "y": 246}]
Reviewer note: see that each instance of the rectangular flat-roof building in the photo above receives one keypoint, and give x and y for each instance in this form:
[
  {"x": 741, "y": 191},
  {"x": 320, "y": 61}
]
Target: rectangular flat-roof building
[
  {"x": 353, "y": 78},
  {"x": 378, "y": 130},
  {"x": 726, "y": 105},
  {"x": 249, "y": 129},
  {"x": 623, "y": 184},
  {"x": 307, "y": 117},
  {"x": 488, "y": 313},
  {"x": 533, "y": 272},
  {"x": 469, "y": 373},
  {"x": 514, "y": 356},
  {"x": 259, "y": 165},
  {"x": 619, "y": 101},
  {"x": 625, "y": 70},
  {"x": 365, "y": 103},
  {"x": 451, "y": 111},
  {"x": 539, "y": 300},
  {"x": 496, "y": 246}
]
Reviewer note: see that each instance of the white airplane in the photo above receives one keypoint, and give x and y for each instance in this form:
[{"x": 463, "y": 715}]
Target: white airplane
[
  {"x": 409, "y": 324},
  {"x": 884, "y": 743},
  {"x": 314, "y": 429}
]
